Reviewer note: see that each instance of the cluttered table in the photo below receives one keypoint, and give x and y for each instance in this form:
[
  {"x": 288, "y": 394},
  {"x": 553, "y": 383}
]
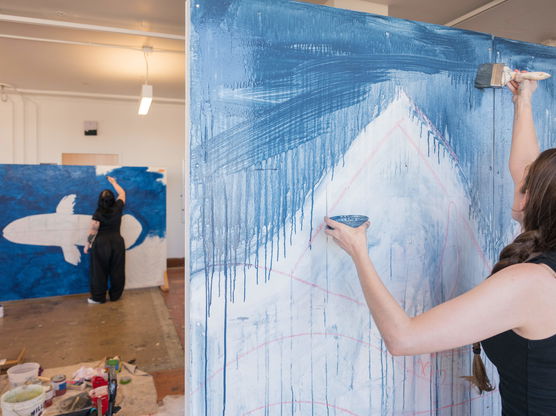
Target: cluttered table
[{"x": 136, "y": 392}]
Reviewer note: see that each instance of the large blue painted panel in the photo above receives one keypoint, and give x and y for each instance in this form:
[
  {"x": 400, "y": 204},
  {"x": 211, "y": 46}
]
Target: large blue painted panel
[
  {"x": 298, "y": 111},
  {"x": 45, "y": 211},
  {"x": 530, "y": 57}
]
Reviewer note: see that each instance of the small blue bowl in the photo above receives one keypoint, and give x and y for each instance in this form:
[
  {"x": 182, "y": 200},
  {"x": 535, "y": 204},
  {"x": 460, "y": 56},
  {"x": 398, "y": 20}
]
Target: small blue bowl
[{"x": 351, "y": 220}]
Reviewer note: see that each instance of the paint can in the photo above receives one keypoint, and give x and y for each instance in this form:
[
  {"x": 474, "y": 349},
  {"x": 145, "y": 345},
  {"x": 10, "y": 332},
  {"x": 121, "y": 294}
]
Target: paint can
[
  {"x": 1, "y": 311},
  {"x": 59, "y": 384},
  {"x": 23, "y": 401}
]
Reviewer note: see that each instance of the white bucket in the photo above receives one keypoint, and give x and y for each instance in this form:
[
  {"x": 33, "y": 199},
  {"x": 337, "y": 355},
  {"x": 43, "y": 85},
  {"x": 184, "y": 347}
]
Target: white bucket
[
  {"x": 14, "y": 401},
  {"x": 19, "y": 374}
]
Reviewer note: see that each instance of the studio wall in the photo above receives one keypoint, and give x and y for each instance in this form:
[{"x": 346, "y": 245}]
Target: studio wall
[
  {"x": 299, "y": 111},
  {"x": 39, "y": 128}
]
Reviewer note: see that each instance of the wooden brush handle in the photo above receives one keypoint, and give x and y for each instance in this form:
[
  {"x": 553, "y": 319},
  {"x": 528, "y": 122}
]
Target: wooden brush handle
[{"x": 533, "y": 76}]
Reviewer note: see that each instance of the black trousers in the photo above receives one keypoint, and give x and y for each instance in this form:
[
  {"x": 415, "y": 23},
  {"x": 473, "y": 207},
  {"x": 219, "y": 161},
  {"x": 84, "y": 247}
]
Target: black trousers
[{"x": 107, "y": 264}]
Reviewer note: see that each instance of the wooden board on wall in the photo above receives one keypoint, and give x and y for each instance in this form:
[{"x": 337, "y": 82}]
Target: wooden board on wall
[{"x": 90, "y": 159}]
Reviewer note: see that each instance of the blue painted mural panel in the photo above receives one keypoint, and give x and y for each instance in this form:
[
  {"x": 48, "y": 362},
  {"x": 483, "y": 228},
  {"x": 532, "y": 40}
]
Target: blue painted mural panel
[
  {"x": 45, "y": 212},
  {"x": 529, "y": 57},
  {"x": 300, "y": 111}
]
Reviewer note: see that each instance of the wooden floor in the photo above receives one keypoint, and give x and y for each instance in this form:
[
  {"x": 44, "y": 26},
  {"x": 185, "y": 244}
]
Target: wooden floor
[
  {"x": 146, "y": 325},
  {"x": 170, "y": 382}
]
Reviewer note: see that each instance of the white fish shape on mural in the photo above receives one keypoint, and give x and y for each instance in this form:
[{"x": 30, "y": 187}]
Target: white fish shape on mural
[{"x": 64, "y": 229}]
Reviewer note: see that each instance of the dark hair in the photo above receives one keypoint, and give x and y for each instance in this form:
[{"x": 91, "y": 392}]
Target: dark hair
[
  {"x": 538, "y": 235},
  {"x": 106, "y": 200}
]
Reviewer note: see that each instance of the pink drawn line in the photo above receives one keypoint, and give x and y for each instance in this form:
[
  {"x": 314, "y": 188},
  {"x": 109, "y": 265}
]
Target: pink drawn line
[
  {"x": 297, "y": 279},
  {"x": 431, "y": 126},
  {"x": 349, "y": 412},
  {"x": 340, "y": 295},
  {"x": 448, "y": 406},
  {"x": 439, "y": 182},
  {"x": 274, "y": 341},
  {"x": 310, "y": 334},
  {"x": 302, "y": 402},
  {"x": 451, "y": 207},
  {"x": 374, "y": 152}
]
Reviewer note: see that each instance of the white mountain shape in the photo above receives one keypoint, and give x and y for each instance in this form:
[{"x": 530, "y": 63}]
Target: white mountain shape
[{"x": 422, "y": 242}]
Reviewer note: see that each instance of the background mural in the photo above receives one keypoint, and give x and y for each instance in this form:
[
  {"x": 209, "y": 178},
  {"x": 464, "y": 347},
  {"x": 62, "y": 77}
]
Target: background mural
[
  {"x": 300, "y": 111},
  {"x": 45, "y": 213}
]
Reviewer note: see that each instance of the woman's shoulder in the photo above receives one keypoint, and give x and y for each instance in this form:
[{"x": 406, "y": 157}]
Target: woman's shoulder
[{"x": 524, "y": 274}]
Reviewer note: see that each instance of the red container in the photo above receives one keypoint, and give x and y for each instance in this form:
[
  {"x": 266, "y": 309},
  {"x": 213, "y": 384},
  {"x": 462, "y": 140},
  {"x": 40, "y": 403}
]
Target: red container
[
  {"x": 98, "y": 381},
  {"x": 99, "y": 398}
]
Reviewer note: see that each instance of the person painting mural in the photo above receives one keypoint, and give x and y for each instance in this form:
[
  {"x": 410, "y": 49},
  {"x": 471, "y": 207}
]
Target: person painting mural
[
  {"x": 107, "y": 246},
  {"x": 513, "y": 312}
]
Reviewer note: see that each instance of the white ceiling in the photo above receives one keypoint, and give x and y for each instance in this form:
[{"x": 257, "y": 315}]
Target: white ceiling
[{"x": 113, "y": 63}]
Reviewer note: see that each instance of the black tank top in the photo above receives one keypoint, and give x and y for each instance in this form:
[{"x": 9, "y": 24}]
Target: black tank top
[{"x": 527, "y": 368}]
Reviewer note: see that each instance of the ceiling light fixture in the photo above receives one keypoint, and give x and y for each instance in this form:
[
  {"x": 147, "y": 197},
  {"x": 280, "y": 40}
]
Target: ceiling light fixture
[{"x": 146, "y": 89}]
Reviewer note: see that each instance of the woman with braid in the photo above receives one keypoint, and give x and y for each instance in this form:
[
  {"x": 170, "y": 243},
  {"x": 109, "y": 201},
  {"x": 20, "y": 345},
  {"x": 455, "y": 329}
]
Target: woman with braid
[
  {"x": 107, "y": 246},
  {"x": 515, "y": 306}
]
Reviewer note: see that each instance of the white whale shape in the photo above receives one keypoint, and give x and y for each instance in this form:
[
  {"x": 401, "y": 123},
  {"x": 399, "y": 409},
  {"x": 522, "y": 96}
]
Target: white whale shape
[{"x": 64, "y": 229}]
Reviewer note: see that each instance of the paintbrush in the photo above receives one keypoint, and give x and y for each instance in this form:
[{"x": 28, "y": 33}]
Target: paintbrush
[{"x": 498, "y": 75}]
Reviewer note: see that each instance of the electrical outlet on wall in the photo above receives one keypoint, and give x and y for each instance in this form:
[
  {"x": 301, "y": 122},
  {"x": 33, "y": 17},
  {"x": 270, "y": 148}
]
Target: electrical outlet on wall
[{"x": 91, "y": 128}]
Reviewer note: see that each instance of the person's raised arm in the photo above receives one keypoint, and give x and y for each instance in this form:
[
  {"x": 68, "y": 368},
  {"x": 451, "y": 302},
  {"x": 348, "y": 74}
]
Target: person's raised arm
[
  {"x": 525, "y": 147},
  {"x": 500, "y": 303},
  {"x": 117, "y": 187}
]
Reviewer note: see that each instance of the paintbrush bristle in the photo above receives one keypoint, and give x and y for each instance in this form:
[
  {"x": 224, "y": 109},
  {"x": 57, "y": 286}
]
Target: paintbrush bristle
[{"x": 490, "y": 75}]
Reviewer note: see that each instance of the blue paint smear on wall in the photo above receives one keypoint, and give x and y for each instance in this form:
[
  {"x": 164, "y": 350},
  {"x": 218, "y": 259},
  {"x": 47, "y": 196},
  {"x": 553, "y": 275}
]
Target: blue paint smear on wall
[
  {"x": 290, "y": 99},
  {"x": 29, "y": 271},
  {"x": 279, "y": 93},
  {"x": 530, "y": 57}
]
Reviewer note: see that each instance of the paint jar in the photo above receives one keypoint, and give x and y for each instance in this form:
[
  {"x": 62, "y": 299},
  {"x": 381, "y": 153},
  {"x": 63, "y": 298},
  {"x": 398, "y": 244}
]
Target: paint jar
[{"x": 59, "y": 384}]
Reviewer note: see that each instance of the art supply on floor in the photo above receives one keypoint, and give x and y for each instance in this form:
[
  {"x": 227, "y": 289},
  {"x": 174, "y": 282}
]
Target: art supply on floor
[
  {"x": 114, "y": 363},
  {"x": 59, "y": 384},
  {"x": 498, "y": 75},
  {"x": 1, "y": 311},
  {"x": 20, "y": 373},
  {"x": 98, "y": 381},
  {"x": 351, "y": 220},
  {"x": 23, "y": 401},
  {"x": 99, "y": 398},
  {"x": 5, "y": 363}
]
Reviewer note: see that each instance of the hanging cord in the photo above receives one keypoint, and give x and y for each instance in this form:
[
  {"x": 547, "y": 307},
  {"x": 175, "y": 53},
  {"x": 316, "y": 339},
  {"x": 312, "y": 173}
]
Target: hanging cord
[{"x": 146, "y": 50}]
